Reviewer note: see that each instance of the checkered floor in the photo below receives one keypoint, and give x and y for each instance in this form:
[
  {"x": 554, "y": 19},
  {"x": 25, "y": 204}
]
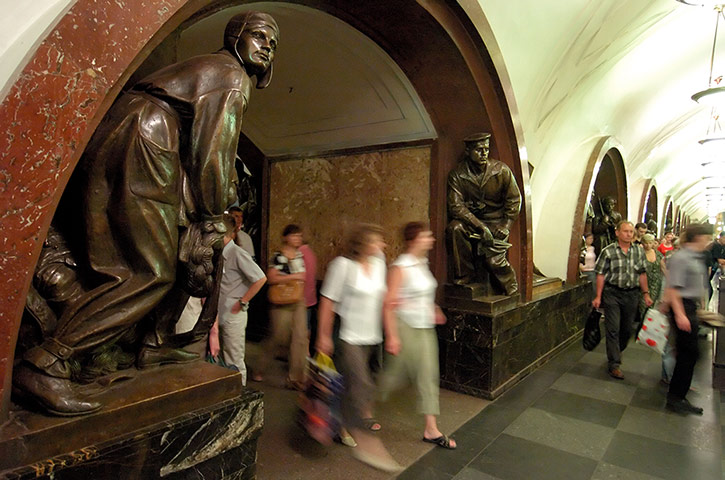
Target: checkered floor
[{"x": 570, "y": 420}]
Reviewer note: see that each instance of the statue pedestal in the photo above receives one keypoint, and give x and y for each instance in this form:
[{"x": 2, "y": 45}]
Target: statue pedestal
[
  {"x": 490, "y": 343},
  {"x": 176, "y": 422}
]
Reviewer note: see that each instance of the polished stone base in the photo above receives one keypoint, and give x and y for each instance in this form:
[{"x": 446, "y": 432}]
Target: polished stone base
[
  {"x": 195, "y": 421},
  {"x": 485, "y": 350}
]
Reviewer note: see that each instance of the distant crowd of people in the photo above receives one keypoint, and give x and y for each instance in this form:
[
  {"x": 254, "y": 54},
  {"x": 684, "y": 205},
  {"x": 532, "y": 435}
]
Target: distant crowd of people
[{"x": 675, "y": 275}]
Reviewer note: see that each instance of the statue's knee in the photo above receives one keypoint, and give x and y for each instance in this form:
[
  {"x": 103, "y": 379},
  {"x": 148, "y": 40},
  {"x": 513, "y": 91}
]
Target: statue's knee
[{"x": 457, "y": 229}]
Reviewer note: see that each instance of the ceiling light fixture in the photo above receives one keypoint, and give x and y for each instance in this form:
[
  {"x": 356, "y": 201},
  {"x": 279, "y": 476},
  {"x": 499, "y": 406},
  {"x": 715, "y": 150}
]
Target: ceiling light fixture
[
  {"x": 713, "y": 145},
  {"x": 712, "y": 94}
]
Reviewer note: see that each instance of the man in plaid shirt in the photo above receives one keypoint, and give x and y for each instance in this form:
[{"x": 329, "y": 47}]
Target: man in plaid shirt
[{"x": 621, "y": 275}]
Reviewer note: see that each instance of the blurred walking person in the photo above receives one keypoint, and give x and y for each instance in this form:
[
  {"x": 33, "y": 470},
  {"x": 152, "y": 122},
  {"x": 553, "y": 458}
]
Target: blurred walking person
[
  {"x": 354, "y": 288},
  {"x": 684, "y": 292},
  {"x": 410, "y": 316}
]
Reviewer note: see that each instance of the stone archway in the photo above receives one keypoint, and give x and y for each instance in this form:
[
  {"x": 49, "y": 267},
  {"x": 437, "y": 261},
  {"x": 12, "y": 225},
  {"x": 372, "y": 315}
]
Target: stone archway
[
  {"x": 72, "y": 79},
  {"x": 668, "y": 218},
  {"x": 649, "y": 201},
  {"x": 606, "y": 170}
]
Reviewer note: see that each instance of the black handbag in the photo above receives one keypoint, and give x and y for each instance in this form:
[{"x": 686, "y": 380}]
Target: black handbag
[{"x": 592, "y": 334}]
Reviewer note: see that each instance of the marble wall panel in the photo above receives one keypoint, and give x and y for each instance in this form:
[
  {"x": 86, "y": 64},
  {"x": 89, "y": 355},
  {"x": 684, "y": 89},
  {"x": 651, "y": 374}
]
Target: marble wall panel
[{"x": 328, "y": 195}]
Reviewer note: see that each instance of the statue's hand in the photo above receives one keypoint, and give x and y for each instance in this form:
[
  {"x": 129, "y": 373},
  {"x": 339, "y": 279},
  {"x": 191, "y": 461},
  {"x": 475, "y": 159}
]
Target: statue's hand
[
  {"x": 486, "y": 235},
  {"x": 501, "y": 233}
]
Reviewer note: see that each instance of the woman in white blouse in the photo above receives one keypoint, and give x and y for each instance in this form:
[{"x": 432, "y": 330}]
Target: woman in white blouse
[
  {"x": 410, "y": 318},
  {"x": 354, "y": 287}
]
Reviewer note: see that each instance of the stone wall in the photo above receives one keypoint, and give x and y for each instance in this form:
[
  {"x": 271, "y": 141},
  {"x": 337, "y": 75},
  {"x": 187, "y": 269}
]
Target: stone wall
[{"x": 326, "y": 195}]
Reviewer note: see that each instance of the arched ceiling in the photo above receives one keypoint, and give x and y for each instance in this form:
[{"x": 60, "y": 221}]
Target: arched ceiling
[
  {"x": 332, "y": 88},
  {"x": 586, "y": 68},
  {"x": 579, "y": 70}
]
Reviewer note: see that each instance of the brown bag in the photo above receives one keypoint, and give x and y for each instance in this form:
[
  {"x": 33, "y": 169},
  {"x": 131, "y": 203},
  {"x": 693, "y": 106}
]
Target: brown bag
[{"x": 285, "y": 293}]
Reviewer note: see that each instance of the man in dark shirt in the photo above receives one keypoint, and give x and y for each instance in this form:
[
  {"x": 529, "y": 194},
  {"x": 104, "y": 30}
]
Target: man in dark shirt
[
  {"x": 639, "y": 231},
  {"x": 684, "y": 291},
  {"x": 621, "y": 274}
]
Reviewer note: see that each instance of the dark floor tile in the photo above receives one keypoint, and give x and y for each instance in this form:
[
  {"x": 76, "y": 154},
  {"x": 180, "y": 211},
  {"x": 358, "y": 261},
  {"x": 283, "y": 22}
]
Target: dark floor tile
[
  {"x": 635, "y": 351},
  {"x": 491, "y": 421},
  {"x": 451, "y": 462},
  {"x": 651, "y": 398},
  {"x": 418, "y": 471},
  {"x": 596, "y": 371},
  {"x": 662, "y": 459},
  {"x": 472, "y": 474},
  {"x": 563, "y": 361},
  {"x": 587, "y": 409},
  {"x": 528, "y": 390},
  {"x": 512, "y": 458}
]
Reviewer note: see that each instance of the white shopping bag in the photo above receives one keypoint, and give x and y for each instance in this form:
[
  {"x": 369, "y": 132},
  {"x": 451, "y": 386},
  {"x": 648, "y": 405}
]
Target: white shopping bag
[{"x": 655, "y": 331}]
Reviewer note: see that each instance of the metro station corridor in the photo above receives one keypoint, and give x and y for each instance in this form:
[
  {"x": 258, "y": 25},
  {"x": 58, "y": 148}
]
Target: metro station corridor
[
  {"x": 580, "y": 114},
  {"x": 567, "y": 420}
]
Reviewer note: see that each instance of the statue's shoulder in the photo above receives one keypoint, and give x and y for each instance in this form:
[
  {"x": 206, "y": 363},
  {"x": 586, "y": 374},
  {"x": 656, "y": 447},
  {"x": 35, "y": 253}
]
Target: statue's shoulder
[
  {"x": 219, "y": 65},
  {"x": 461, "y": 169},
  {"x": 198, "y": 75},
  {"x": 496, "y": 167}
]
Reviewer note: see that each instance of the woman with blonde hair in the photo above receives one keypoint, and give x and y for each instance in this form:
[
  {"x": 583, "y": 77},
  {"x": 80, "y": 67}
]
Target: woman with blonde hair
[{"x": 354, "y": 287}]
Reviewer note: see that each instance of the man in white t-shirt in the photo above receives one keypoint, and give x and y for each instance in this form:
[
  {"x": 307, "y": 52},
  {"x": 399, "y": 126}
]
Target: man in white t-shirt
[
  {"x": 241, "y": 238},
  {"x": 241, "y": 280}
]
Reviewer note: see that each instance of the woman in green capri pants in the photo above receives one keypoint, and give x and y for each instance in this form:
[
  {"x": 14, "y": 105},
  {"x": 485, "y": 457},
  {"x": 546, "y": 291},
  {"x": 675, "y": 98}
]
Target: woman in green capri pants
[{"x": 410, "y": 316}]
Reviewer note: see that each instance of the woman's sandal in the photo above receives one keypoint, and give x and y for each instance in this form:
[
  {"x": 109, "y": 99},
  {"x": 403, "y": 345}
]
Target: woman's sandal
[
  {"x": 443, "y": 441},
  {"x": 346, "y": 440},
  {"x": 372, "y": 424}
]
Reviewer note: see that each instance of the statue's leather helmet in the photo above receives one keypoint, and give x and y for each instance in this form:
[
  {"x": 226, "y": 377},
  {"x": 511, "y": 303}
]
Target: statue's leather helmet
[{"x": 237, "y": 25}]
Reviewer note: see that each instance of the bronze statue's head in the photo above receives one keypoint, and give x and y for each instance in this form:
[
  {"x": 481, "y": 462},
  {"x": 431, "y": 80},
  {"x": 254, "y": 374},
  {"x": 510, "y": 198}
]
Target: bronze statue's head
[
  {"x": 477, "y": 148},
  {"x": 252, "y": 38},
  {"x": 608, "y": 204}
]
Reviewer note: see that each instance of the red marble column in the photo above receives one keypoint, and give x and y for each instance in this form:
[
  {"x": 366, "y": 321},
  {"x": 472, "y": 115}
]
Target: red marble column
[{"x": 46, "y": 120}]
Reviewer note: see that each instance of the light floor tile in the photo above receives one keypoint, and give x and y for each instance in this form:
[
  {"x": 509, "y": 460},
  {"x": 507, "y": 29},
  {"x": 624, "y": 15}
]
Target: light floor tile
[
  {"x": 689, "y": 430},
  {"x": 607, "y": 390},
  {"x": 563, "y": 433},
  {"x": 607, "y": 471}
]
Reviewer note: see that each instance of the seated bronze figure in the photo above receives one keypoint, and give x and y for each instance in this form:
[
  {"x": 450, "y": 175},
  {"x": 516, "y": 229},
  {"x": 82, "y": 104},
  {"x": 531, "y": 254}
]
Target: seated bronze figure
[
  {"x": 140, "y": 225},
  {"x": 483, "y": 203}
]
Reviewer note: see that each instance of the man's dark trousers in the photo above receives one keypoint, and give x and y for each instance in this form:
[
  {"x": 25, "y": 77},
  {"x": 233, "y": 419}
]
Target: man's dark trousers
[
  {"x": 687, "y": 352},
  {"x": 620, "y": 312}
]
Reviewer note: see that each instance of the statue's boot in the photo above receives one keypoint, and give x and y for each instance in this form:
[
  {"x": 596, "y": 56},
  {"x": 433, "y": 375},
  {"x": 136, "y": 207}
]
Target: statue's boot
[
  {"x": 54, "y": 395},
  {"x": 150, "y": 356},
  {"x": 507, "y": 278},
  {"x": 44, "y": 378}
]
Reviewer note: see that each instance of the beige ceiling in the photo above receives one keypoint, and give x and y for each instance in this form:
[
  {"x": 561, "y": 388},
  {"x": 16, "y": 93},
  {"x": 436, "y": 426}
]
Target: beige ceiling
[
  {"x": 579, "y": 71},
  {"x": 332, "y": 86},
  {"x": 583, "y": 69}
]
